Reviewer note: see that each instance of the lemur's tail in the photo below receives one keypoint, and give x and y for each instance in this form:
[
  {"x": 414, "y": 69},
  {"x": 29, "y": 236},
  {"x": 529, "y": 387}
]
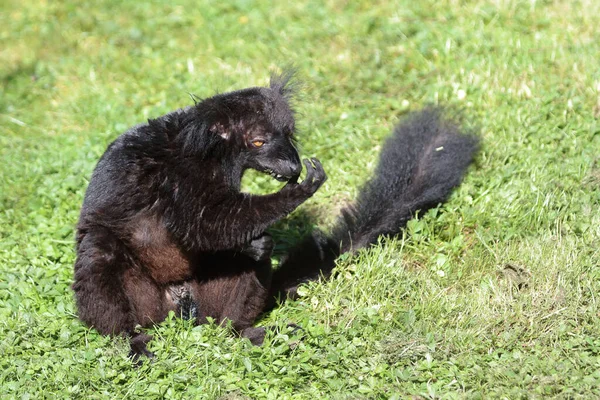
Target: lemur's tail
[{"x": 423, "y": 160}]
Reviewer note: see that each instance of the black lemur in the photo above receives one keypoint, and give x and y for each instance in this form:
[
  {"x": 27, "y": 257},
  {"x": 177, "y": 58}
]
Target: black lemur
[{"x": 164, "y": 206}]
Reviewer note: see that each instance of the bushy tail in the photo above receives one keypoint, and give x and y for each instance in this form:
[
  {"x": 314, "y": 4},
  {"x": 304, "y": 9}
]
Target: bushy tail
[{"x": 423, "y": 160}]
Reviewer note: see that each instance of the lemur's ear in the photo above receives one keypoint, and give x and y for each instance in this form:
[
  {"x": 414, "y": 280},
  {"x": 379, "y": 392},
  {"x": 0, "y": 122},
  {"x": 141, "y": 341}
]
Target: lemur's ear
[{"x": 220, "y": 129}]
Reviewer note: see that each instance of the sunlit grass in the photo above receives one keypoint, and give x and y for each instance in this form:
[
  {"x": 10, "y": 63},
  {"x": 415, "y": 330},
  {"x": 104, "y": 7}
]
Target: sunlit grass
[{"x": 494, "y": 294}]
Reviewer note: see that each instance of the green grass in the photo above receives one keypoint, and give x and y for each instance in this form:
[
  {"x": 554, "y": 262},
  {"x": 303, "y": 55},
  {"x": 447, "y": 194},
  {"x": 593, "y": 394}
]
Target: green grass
[{"x": 494, "y": 294}]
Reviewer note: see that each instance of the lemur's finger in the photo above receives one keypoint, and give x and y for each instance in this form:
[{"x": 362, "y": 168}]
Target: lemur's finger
[
  {"x": 321, "y": 176},
  {"x": 310, "y": 170},
  {"x": 314, "y": 164}
]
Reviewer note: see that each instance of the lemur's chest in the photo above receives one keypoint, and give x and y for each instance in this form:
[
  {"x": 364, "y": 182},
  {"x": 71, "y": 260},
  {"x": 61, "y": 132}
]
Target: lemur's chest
[{"x": 156, "y": 251}]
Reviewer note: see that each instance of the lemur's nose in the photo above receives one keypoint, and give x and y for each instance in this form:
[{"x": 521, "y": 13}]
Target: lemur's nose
[{"x": 296, "y": 169}]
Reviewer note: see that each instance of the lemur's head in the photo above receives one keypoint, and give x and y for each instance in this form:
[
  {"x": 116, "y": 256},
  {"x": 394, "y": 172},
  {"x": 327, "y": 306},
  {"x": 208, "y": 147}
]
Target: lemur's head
[{"x": 257, "y": 125}]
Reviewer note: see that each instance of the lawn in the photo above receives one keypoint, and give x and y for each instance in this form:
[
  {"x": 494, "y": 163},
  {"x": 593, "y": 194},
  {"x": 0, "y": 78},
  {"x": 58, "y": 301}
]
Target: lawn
[{"x": 494, "y": 294}]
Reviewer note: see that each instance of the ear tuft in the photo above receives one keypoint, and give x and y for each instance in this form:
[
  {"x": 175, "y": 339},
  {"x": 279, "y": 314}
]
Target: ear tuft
[
  {"x": 194, "y": 98},
  {"x": 284, "y": 83}
]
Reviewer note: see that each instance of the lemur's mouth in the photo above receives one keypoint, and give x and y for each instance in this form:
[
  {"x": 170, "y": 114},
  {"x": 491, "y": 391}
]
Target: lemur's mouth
[{"x": 279, "y": 177}]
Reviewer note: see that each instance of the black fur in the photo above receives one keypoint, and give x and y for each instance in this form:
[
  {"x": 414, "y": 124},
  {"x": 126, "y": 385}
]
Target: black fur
[
  {"x": 164, "y": 206},
  {"x": 423, "y": 160},
  {"x": 164, "y": 226}
]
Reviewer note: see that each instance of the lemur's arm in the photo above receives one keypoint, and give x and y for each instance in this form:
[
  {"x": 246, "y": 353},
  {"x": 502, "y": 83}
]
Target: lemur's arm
[{"x": 232, "y": 219}]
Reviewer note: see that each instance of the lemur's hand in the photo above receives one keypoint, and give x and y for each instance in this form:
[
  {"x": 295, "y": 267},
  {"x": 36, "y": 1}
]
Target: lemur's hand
[
  {"x": 260, "y": 248},
  {"x": 315, "y": 177}
]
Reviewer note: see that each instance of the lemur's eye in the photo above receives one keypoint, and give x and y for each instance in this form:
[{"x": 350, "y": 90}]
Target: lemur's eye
[{"x": 258, "y": 143}]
